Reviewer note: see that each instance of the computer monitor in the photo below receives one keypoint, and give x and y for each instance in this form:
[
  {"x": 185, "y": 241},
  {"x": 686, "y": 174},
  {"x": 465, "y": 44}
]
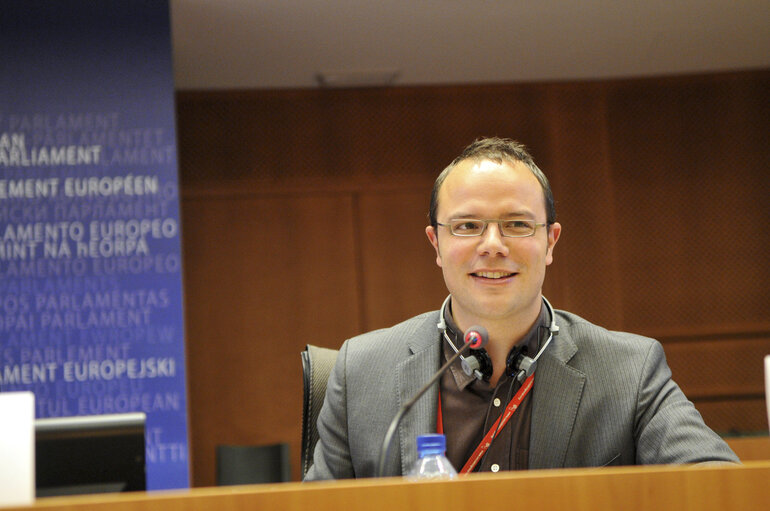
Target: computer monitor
[{"x": 90, "y": 454}]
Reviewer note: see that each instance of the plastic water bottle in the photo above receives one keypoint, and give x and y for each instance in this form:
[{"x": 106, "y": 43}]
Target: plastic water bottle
[{"x": 432, "y": 462}]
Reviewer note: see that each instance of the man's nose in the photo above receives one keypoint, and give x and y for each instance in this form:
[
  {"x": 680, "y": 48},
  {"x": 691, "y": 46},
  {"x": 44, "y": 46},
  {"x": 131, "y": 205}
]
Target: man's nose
[{"x": 492, "y": 241}]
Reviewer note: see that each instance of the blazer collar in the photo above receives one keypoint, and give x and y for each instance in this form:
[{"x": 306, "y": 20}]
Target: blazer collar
[
  {"x": 555, "y": 401},
  {"x": 411, "y": 374}
]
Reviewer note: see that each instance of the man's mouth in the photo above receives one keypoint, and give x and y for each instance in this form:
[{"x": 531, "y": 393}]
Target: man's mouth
[{"x": 494, "y": 275}]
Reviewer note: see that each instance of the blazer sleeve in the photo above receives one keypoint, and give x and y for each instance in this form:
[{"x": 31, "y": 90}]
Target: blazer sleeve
[
  {"x": 331, "y": 458},
  {"x": 668, "y": 428}
]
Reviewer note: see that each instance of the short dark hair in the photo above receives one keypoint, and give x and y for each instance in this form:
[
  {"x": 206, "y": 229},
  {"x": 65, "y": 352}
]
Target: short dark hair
[{"x": 497, "y": 150}]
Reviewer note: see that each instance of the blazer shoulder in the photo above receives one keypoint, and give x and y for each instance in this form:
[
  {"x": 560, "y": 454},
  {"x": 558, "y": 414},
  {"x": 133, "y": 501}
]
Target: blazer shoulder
[
  {"x": 593, "y": 342},
  {"x": 416, "y": 333},
  {"x": 580, "y": 330}
]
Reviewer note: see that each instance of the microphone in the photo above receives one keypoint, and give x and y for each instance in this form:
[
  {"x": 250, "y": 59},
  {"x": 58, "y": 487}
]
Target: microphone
[{"x": 475, "y": 337}]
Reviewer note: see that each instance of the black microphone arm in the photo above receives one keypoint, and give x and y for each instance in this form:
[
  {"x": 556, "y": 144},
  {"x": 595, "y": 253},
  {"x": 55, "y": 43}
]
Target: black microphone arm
[{"x": 476, "y": 337}]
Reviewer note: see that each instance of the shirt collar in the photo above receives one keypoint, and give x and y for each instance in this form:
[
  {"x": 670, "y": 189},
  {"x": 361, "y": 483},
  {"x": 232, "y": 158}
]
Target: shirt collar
[{"x": 531, "y": 340}]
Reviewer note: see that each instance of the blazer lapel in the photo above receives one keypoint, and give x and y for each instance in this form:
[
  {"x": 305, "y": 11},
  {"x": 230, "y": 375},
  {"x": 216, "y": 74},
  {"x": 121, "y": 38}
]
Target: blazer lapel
[
  {"x": 412, "y": 374},
  {"x": 555, "y": 401}
]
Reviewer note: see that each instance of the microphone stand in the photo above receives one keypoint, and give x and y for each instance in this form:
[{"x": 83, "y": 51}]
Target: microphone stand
[{"x": 408, "y": 405}]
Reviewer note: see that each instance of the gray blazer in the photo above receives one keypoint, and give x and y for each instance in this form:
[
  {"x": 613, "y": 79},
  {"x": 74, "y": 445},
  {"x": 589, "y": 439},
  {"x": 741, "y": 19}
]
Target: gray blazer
[{"x": 600, "y": 398}]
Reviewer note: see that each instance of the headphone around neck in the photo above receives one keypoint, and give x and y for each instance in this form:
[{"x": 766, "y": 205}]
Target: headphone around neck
[{"x": 518, "y": 364}]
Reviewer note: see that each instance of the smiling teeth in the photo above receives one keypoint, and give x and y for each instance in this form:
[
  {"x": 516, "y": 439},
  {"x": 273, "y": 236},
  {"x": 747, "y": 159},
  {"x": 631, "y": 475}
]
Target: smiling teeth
[{"x": 492, "y": 274}]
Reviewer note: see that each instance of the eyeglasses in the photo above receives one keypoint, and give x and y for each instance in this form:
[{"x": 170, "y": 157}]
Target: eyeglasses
[{"x": 477, "y": 227}]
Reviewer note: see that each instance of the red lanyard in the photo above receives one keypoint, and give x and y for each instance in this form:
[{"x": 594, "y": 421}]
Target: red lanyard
[{"x": 513, "y": 405}]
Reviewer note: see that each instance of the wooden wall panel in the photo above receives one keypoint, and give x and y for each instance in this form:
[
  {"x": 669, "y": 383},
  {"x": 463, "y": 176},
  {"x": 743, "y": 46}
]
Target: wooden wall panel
[
  {"x": 752, "y": 448},
  {"x": 734, "y": 416},
  {"x": 305, "y": 210},
  {"x": 398, "y": 267},
  {"x": 737, "y": 364},
  {"x": 689, "y": 165},
  {"x": 583, "y": 279},
  {"x": 263, "y": 278},
  {"x": 723, "y": 376}
]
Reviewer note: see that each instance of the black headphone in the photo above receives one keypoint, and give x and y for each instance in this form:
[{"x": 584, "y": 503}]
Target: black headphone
[{"x": 517, "y": 365}]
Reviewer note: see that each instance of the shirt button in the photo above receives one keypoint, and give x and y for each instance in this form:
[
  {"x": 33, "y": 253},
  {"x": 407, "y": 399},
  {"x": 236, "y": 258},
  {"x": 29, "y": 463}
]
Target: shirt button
[
  {"x": 496, "y": 402},
  {"x": 495, "y": 467}
]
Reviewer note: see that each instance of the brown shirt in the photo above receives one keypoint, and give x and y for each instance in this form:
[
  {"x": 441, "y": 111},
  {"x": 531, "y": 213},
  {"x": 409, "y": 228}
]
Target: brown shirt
[{"x": 465, "y": 401}]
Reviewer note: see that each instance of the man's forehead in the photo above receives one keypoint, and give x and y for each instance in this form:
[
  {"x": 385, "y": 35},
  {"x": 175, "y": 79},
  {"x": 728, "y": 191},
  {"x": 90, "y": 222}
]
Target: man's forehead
[
  {"x": 472, "y": 176},
  {"x": 469, "y": 172}
]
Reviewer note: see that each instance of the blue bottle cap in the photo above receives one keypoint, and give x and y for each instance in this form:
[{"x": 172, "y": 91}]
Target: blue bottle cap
[{"x": 431, "y": 444}]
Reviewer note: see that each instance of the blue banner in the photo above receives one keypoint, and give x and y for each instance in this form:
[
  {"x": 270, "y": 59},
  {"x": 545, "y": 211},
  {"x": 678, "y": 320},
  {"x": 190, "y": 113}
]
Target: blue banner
[{"x": 91, "y": 315}]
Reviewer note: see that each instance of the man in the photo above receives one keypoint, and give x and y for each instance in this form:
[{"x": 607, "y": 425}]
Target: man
[{"x": 579, "y": 395}]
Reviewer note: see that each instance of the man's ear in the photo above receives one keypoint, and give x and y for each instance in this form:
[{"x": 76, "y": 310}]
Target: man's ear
[
  {"x": 430, "y": 231},
  {"x": 553, "y": 236}
]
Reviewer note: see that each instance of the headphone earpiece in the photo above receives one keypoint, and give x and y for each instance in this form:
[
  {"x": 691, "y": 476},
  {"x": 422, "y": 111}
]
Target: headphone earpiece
[
  {"x": 478, "y": 364},
  {"x": 518, "y": 365},
  {"x": 526, "y": 368}
]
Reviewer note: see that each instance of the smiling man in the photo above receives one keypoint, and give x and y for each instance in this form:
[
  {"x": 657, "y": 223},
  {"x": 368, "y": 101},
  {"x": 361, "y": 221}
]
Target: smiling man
[
  {"x": 494, "y": 277},
  {"x": 580, "y": 395}
]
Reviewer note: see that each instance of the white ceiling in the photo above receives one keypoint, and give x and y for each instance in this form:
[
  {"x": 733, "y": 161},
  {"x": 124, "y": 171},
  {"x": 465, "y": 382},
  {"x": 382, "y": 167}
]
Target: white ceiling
[{"x": 223, "y": 44}]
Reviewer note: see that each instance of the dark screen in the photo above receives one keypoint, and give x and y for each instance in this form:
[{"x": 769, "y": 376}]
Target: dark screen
[{"x": 98, "y": 454}]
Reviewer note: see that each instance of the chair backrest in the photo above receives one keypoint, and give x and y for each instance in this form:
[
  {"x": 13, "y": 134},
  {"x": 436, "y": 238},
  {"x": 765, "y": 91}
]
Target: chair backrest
[
  {"x": 317, "y": 364},
  {"x": 252, "y": 464}
]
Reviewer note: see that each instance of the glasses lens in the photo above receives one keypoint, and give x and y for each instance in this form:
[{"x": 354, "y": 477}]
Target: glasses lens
[
  {"x": 467, "y": 227},
  {"x": 518, "y": 228}
]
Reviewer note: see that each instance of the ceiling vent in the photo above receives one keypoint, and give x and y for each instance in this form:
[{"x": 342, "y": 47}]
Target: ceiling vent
[{"x": 371, "y": 78}]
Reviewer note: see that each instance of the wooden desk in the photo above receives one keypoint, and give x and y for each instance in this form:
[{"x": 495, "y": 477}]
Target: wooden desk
[{"x": 718, "y": 488}]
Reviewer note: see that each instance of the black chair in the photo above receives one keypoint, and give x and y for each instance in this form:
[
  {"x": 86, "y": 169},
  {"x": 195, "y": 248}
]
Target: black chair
[
  {"x": 252, "y": 464},
  {"x": 317, "y": 364}
]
